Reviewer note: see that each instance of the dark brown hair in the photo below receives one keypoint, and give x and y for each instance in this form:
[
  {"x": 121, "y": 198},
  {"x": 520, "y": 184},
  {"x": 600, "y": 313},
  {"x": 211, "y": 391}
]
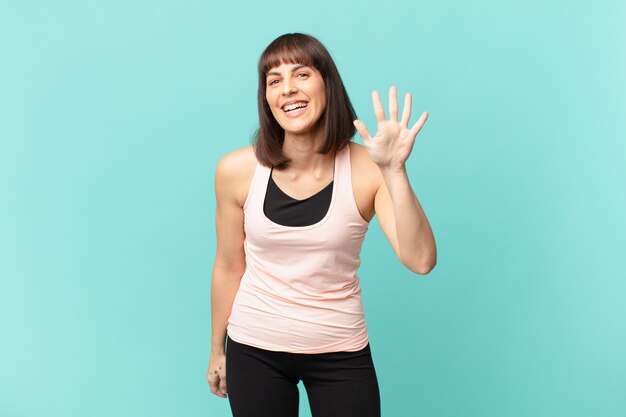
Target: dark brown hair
[{"x": 336, "y": 120}]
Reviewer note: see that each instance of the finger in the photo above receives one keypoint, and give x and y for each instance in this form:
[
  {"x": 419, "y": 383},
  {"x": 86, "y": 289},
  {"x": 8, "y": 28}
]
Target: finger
[
  {"x": 378, "y": 106},
  {"x": 406, "y": 112},
  {"x": 214, "y": 383},
  {"x": 223, "y": 382},
  {"x": 393, "y": 103},
  {"x": 418, "y": 125},
  {"x": 217, "y": 389},
  {"x": 362, "y": 129}
]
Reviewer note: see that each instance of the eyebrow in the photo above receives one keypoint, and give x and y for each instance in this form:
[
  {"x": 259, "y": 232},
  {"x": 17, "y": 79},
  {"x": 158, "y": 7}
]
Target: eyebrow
[{"x": 297, "y": 67}]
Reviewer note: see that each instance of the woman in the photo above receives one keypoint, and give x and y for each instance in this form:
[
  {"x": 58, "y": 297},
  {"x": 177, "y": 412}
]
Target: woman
[{"x": 292, "y": 212}]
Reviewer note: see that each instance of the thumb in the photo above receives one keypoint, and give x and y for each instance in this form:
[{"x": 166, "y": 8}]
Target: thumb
[
  {"x": 360, "y": 127},
  {"x": 223, "y": 384}
]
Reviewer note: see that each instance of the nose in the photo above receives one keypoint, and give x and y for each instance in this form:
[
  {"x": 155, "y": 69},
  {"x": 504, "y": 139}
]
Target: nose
[{"x": 288, "y": 86}]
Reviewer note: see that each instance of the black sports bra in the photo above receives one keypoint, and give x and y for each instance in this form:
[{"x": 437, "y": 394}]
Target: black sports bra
[{"x": 283, "y": 209}]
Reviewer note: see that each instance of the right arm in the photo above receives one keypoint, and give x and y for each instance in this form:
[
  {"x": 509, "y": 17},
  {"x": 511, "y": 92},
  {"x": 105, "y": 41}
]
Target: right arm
[
  {"x": 230, "y": 260},
  {"x": 229, "y": 264}
]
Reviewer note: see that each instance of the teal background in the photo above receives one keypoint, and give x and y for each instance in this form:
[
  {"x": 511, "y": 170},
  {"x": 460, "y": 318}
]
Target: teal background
[{"x": 113, "y": 116}]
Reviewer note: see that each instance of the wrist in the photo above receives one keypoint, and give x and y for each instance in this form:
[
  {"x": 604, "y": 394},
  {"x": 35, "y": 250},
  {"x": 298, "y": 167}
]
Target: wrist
[
  {"x": 218, "y": 350},
  {"x": 393, "y": 170}
]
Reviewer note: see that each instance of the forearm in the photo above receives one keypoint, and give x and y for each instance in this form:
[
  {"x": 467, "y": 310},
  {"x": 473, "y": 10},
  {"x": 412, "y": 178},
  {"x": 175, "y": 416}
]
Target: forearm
[
  {"x": 224, "y": 286},
  {"x": 415, "y": 237}
]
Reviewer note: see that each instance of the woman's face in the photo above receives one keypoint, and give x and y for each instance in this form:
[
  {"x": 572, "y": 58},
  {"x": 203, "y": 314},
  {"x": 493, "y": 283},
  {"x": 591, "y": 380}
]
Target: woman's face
[{"x": 295, "y": 94}]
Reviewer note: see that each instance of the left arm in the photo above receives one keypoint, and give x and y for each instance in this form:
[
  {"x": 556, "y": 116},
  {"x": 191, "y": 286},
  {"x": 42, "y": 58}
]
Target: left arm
[
  {"x": 404, "y": 222},
  {"x": 401, "y": 216}
]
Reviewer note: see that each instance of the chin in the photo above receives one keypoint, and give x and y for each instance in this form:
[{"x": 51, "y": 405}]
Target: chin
[
  {"x": 297, "y": 131},
  {"x": 297, "y": 128}
]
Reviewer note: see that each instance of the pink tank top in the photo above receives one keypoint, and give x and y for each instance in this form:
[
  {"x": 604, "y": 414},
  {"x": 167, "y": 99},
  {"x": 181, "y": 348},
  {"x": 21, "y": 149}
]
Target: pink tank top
[{"x": 300, "y": 292}]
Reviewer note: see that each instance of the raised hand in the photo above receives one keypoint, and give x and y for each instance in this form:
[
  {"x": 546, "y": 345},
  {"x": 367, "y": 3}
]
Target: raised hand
[{"x": 393, "y": 142}]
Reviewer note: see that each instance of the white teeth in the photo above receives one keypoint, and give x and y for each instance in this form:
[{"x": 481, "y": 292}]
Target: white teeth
[{"x": 295, "y": 106}]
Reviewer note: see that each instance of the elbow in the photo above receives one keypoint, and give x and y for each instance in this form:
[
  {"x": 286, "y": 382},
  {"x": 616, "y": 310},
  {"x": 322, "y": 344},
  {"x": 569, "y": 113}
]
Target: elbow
[
  {"x": 425, "y": 269},
  {"x": 420, "y": 268}
]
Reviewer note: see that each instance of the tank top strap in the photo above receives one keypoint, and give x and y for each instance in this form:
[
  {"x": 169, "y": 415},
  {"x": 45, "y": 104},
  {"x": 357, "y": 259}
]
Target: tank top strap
[
  {"x": 343, "y": 174},
  {"x": 256, "y": 190},
  {"x": 345, "y": 195}
]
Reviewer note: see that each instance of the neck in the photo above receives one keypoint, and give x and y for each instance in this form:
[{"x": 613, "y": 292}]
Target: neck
[{"x": 301, "y": 149}]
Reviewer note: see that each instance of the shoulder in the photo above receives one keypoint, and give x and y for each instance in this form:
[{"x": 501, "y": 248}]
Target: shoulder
[
  {"x": 234, "y": 162},
  {"x": 234, "y": 172}
]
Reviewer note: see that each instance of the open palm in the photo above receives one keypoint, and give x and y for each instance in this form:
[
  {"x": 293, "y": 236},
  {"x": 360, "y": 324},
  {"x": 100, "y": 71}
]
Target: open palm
[{"x": 393, "y": 142}]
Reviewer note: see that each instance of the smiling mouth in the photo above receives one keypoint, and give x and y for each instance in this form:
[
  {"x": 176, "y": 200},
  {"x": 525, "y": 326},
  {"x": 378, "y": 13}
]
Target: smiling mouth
[{"x": 294, "y": 107}]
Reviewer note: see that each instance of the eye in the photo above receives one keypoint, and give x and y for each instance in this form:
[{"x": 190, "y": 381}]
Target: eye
[
  {"x": 303, "y": 73},
  {"x": 272, "y": 82}
]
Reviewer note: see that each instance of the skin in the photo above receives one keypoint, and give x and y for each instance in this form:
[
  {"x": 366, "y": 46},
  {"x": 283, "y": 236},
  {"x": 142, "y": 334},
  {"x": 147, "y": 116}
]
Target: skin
[{"x": 380, "y": 187}]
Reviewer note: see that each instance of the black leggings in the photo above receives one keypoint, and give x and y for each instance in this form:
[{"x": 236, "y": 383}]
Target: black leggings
[{"x": 263, "y": 383}]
